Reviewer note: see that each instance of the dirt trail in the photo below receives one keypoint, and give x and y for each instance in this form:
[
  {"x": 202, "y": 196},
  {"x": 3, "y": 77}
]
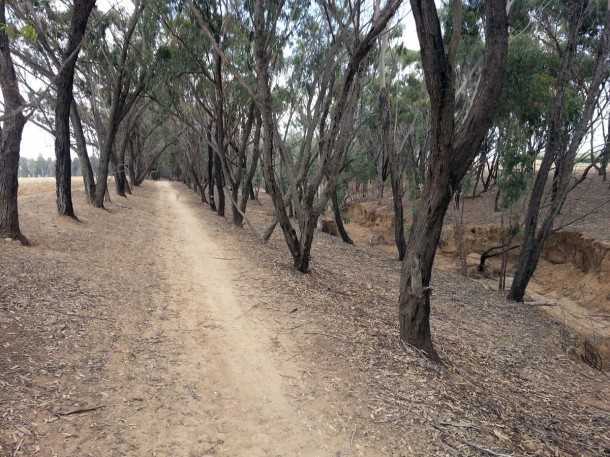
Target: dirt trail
[
  {"x": 189, "y": 338},
  {"x": 221, "y": 387}
]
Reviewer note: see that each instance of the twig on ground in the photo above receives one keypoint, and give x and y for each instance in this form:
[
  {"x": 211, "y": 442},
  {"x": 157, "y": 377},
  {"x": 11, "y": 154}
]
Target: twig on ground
[
  {"x": 82, "y": 316},
  {"x": 78, "y": 411},
  {"x": 484, "y": 449},
  {"x": 539, "y": 303},
  {"x": 328, "y": 336},
  {"x": 18, "y": 447}
]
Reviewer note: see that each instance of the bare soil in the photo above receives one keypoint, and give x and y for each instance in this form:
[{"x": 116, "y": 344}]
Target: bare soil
[
  {"x": 157, "y": 328},
  {"x": 572, "y": 281}
]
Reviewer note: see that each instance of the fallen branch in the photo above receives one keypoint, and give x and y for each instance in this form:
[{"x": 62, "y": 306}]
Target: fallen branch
[
  {"x": 18, "y": 447},
  {"x": 78, "y": 411},
  {"x": 539, "y": 303}
]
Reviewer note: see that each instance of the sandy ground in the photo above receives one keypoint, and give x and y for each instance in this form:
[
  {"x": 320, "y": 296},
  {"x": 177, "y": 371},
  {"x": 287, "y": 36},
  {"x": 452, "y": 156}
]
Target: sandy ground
[
  {"x": 157, "y": 329},
  {"x": 188, "y": 373}
]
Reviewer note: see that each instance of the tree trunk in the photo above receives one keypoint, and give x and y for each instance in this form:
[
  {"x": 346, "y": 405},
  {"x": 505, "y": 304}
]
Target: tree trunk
[
  {"x": 120, "y": 177},
  {"x": 414, "y": 300},
  {"x": 399, "y": 220},
  {"x": 220, "y": 133},
  {"x": 121, "y": 101},
  {"x": 132, "y": 164},
  {"x": 339, "y": 220},
  {"x": 309, "y": 221},
  {"x": 81, "y": 151},
  {"x": 12, "y": 129},
  {"x": 603, "y": 163},
  {"x": 211, "y": 172},
  {"x": 451, "y": 154},
  {"x": 395, "y": 175},
  {"x": 480, "y": 168},
  {"x": 64, "y": 83},
  {"x": 220, "y": 208},
  {"x": 334, "y": 141},
  {"x": 103, "y": 167},
  {"x": 248, "y": 190},
  {"x": 560, "y": 150},
  {"x": 262, "y": 59},
  {"x": 389, "y": 152}
]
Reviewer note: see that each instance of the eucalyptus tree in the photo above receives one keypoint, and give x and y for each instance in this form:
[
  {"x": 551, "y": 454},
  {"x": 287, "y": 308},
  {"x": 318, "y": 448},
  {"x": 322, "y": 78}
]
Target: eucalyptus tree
[
  {"x": 452, "y": 149},
  {"x": 329, "y": 106},
  {"x": 64, "y": 83},
  {"x": 211, "y": 96},
  {"x": 579, "y": 34},
  {"x": 119, "y": 71},
  {"x": 13, "y": 121},
  {"x": 44, "y": 60}
]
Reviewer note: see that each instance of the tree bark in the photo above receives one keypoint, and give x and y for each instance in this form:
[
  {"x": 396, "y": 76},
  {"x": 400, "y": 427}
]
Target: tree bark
[
  {"x": 247, "y": 190},
  {"x": 103, "y": 166},
  {"x": 220, "y": 131},
  {"x": 10, "y": 138},
  {"x": 211, "y": 172},
  {"x": 120, "y": 177},
  {"x": 218, "y": 179},
  {"x": 339, "y": 220},
  {"x": 81, "y": 151},
  {"x": 603, "y": 163},
  {"x": 64, "y": 83},
  {"x": 262, "y": 58},
  {"x": 451, "y": 154},
  {"x": 132, "y": 164},
  {"x": 388, "y": 151}
]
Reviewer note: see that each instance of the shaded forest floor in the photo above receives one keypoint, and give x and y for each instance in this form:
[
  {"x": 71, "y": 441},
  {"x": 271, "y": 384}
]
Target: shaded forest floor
[{"x": 188, "y": 337}]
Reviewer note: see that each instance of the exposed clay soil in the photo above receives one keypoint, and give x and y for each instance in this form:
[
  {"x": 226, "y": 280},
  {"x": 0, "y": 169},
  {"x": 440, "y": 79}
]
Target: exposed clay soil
[
  {"x": 572, "y": 280},
  {"x": 186, "y": 336}
]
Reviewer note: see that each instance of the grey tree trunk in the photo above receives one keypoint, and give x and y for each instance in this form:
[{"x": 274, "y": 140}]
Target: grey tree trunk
[
  {"x": 339, "y": 220},
  {"x": 211, "y": 173},
  {"x": 81, "y": 151},
  {"x": 64, "y": 83},
  {"x": 10, "y": 138}
]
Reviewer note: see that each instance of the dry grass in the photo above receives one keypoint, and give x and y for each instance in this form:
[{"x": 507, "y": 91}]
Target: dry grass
[{"x": 33, "y": 186}]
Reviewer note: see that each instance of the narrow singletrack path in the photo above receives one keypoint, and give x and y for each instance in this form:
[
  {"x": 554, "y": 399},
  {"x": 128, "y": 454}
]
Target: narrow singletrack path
[{"x": 205, "y": 379}]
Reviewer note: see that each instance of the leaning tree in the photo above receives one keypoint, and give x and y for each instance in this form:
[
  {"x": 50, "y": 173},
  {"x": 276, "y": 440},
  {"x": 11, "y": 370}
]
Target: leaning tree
[{"x": 453, "y": 148}]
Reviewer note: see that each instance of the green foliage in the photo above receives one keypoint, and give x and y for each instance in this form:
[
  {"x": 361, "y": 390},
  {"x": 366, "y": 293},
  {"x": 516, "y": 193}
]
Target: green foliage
[
  {"x": 27, "y": 32},
  {"x": 516, "y": 164},
  {"x": 528, "y": 84}
]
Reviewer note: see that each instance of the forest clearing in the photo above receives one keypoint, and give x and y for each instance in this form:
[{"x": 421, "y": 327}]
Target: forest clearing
[{"x": 322, "y": 228}]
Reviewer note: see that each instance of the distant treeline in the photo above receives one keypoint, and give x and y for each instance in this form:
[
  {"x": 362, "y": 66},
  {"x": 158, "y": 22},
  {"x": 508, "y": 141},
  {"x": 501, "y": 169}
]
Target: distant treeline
[{"x": 43, "y": 168}]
